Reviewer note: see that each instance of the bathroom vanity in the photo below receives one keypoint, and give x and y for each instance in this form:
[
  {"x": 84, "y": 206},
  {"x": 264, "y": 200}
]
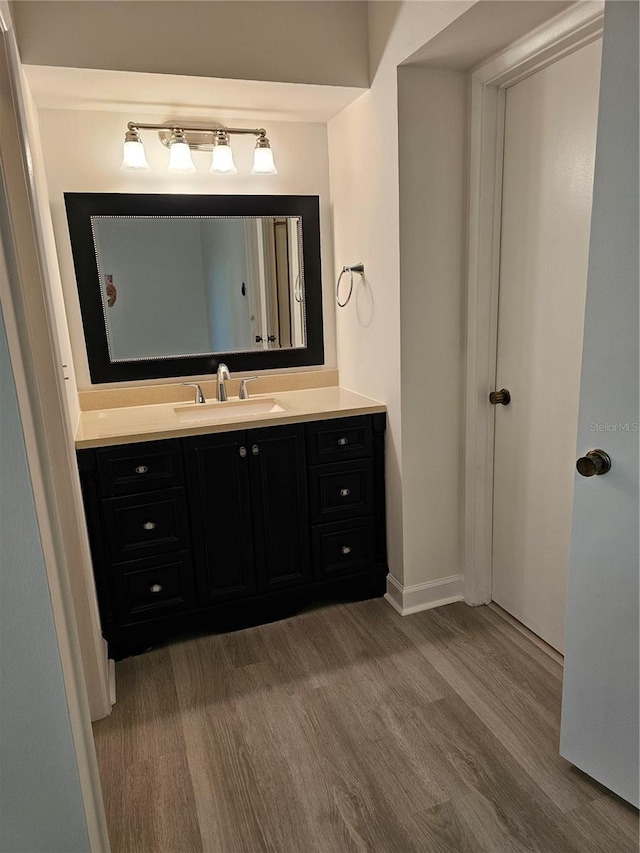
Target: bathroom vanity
[
  {"x": 238, "y": 521},
  {"x": 211, "y": 516}
]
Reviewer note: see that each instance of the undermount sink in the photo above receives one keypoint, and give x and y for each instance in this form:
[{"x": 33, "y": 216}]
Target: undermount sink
[{"x": 231, "y": 409}]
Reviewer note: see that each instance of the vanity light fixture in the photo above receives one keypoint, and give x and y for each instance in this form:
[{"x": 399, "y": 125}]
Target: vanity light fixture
[
  {"x": 134, "y": 159},
  {"x": 179, "y": 153},
  {"x": 263, "y": 158},
  {"x": 181, "y": 140},
  {"x": 222, "y": 155}
]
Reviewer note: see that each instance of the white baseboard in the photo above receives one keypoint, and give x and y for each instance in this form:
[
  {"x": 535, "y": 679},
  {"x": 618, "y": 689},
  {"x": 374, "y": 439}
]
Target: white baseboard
[
  {"x": 423, "y": 596},
  {"x": 112, "y": 681}
]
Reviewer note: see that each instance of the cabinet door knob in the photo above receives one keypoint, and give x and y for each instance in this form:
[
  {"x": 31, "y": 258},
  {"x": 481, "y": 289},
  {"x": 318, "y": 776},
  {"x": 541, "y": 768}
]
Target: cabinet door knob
[
  {"x": 255, "y": 450},
  {"x": 344, "y": 492},
  {"x": 155, "y": 588},
  {"x": 346, "y": 549},
  {"x": 343, "y": 441},
  {"x": 141, "y": 469},
  {"x": 242, "y": 451},
  {"x": 149, "y": 525}
]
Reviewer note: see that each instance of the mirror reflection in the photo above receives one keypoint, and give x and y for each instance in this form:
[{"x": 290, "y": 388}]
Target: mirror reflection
[{"x": 180, "y": 286}]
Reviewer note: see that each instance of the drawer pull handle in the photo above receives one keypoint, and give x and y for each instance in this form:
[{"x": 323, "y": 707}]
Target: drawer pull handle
[
  {"x": 255, "y": 450},
  {"x": 346, "y": 549},
  {"x": 155, "y": 588},
  {"x": 343, "y": 441},
  {"x": 243, "y": 452},
  {"x": 345, "y": 492},
  {"x": 149, "y": 525},
  {"x": 141, "y": 469}
]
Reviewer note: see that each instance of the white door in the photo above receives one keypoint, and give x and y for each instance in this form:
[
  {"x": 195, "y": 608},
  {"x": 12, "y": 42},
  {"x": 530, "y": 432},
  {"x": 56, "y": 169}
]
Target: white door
[
  {"x": 550, "y": 133},
  {"x": 600, "y": 702}
]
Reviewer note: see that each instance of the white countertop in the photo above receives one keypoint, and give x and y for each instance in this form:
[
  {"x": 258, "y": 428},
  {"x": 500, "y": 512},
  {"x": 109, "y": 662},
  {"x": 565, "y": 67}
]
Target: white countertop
[{"x": 153, "y": 422}]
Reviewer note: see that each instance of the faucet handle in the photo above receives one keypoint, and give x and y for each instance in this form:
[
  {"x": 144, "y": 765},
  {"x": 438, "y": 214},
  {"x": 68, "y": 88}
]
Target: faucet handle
[
  {"x": 200, "y": 398},
  {"x": 244, "y": 393}
]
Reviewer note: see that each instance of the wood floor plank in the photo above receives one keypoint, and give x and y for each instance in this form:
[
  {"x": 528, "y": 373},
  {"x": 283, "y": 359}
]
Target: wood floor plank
[
  {"x": 349, "y": 729},
  {"x": 489, "y": 769},
  {"x": 231, "y": 769},
  {"x": 352, "y": 805},
  {"x": 509, "y": 709},
  {"x": 544, "y": 654},
  {"x": 607, "y": 825},
  {"x": 145, "y": 721},
  {"x": 498, "y": 658},
  {"x": 151, "y": 808},
  {"x": 141, "y": 753},
  {"x": 472, "y": 824}
]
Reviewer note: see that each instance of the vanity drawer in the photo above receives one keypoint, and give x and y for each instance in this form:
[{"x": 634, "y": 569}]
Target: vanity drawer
[
  {"x": 346, "y": 438},
  {"x": 142, "y": 525},
  {"x": 342, "y": 490},
  {"x": 152, "y": 587},
  {"x": 343, "y": 548},
  {"x": 134, "y": 468}
]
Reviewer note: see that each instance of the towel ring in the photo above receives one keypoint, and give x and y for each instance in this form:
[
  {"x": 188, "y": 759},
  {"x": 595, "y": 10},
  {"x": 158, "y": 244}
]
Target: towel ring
[{"x": 359, "y": 268}]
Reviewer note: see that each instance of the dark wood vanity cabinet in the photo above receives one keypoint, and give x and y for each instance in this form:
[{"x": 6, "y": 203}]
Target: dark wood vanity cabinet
[
  {"x": 248, "y": 511},
  {"x": 226, "y": 530}
]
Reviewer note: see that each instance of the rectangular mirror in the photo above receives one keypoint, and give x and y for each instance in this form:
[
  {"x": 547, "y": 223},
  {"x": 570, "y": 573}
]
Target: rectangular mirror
[{"x": 171, "y": 285}]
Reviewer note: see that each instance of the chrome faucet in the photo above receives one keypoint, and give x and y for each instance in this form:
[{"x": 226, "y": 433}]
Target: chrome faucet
[
  {"x": 221, "y": 377},
  {"x": 200, "y": 398}
]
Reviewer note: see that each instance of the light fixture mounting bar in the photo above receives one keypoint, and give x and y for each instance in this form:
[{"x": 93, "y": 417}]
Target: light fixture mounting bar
[{"x": 165, "y": 132}]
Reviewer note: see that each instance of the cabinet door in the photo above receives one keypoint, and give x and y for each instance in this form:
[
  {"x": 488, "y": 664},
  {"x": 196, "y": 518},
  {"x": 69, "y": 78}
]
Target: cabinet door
[
  {"x": 218, "y": 479},
  {"x": 279, "y": 499}
]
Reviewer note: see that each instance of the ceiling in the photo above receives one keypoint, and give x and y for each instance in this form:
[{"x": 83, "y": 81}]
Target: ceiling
[
  {"x": 487, "y": 28},
  {"x": 292, "y": 41},
  {"x": 185, "y": 97},
  {"x": 482, "y": 31}
]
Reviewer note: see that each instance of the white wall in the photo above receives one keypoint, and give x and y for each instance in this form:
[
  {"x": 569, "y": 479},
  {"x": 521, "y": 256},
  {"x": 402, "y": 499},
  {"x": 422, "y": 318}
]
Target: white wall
[
  {"x": 363, "y": 148},
  {"x": 83, "y": 152},
  {"x": 297, "y": 41},
  {"x": 432, "y": 129}
]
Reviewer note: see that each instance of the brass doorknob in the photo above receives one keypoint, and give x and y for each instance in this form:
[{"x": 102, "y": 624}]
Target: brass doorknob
[
  {"x": 502, "y": 396},
  {"x": 595, "y": 462}
]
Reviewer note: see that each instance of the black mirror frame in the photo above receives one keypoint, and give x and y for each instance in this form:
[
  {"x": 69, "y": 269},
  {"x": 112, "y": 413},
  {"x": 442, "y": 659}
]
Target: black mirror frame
[{"x": 82, "y": 206}]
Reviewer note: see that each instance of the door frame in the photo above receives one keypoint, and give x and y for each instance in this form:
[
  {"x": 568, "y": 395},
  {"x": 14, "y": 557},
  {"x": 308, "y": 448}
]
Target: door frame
[
  {"x": 39, "y": 385},
  {"x": 578, "y": 26}
]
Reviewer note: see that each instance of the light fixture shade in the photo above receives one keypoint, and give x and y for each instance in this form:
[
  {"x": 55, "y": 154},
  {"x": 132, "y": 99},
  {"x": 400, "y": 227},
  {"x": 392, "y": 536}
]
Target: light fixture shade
[
  {"x": 133, "y": 157},
  {"x": 180, "y": 157},
  {"x": 263, "y": 161},
  {"x": 222, "y": 160}
]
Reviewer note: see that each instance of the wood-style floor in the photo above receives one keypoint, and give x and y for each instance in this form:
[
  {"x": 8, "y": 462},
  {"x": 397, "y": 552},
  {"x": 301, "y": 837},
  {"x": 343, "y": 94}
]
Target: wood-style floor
[{"x": 350, "y": 728}]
